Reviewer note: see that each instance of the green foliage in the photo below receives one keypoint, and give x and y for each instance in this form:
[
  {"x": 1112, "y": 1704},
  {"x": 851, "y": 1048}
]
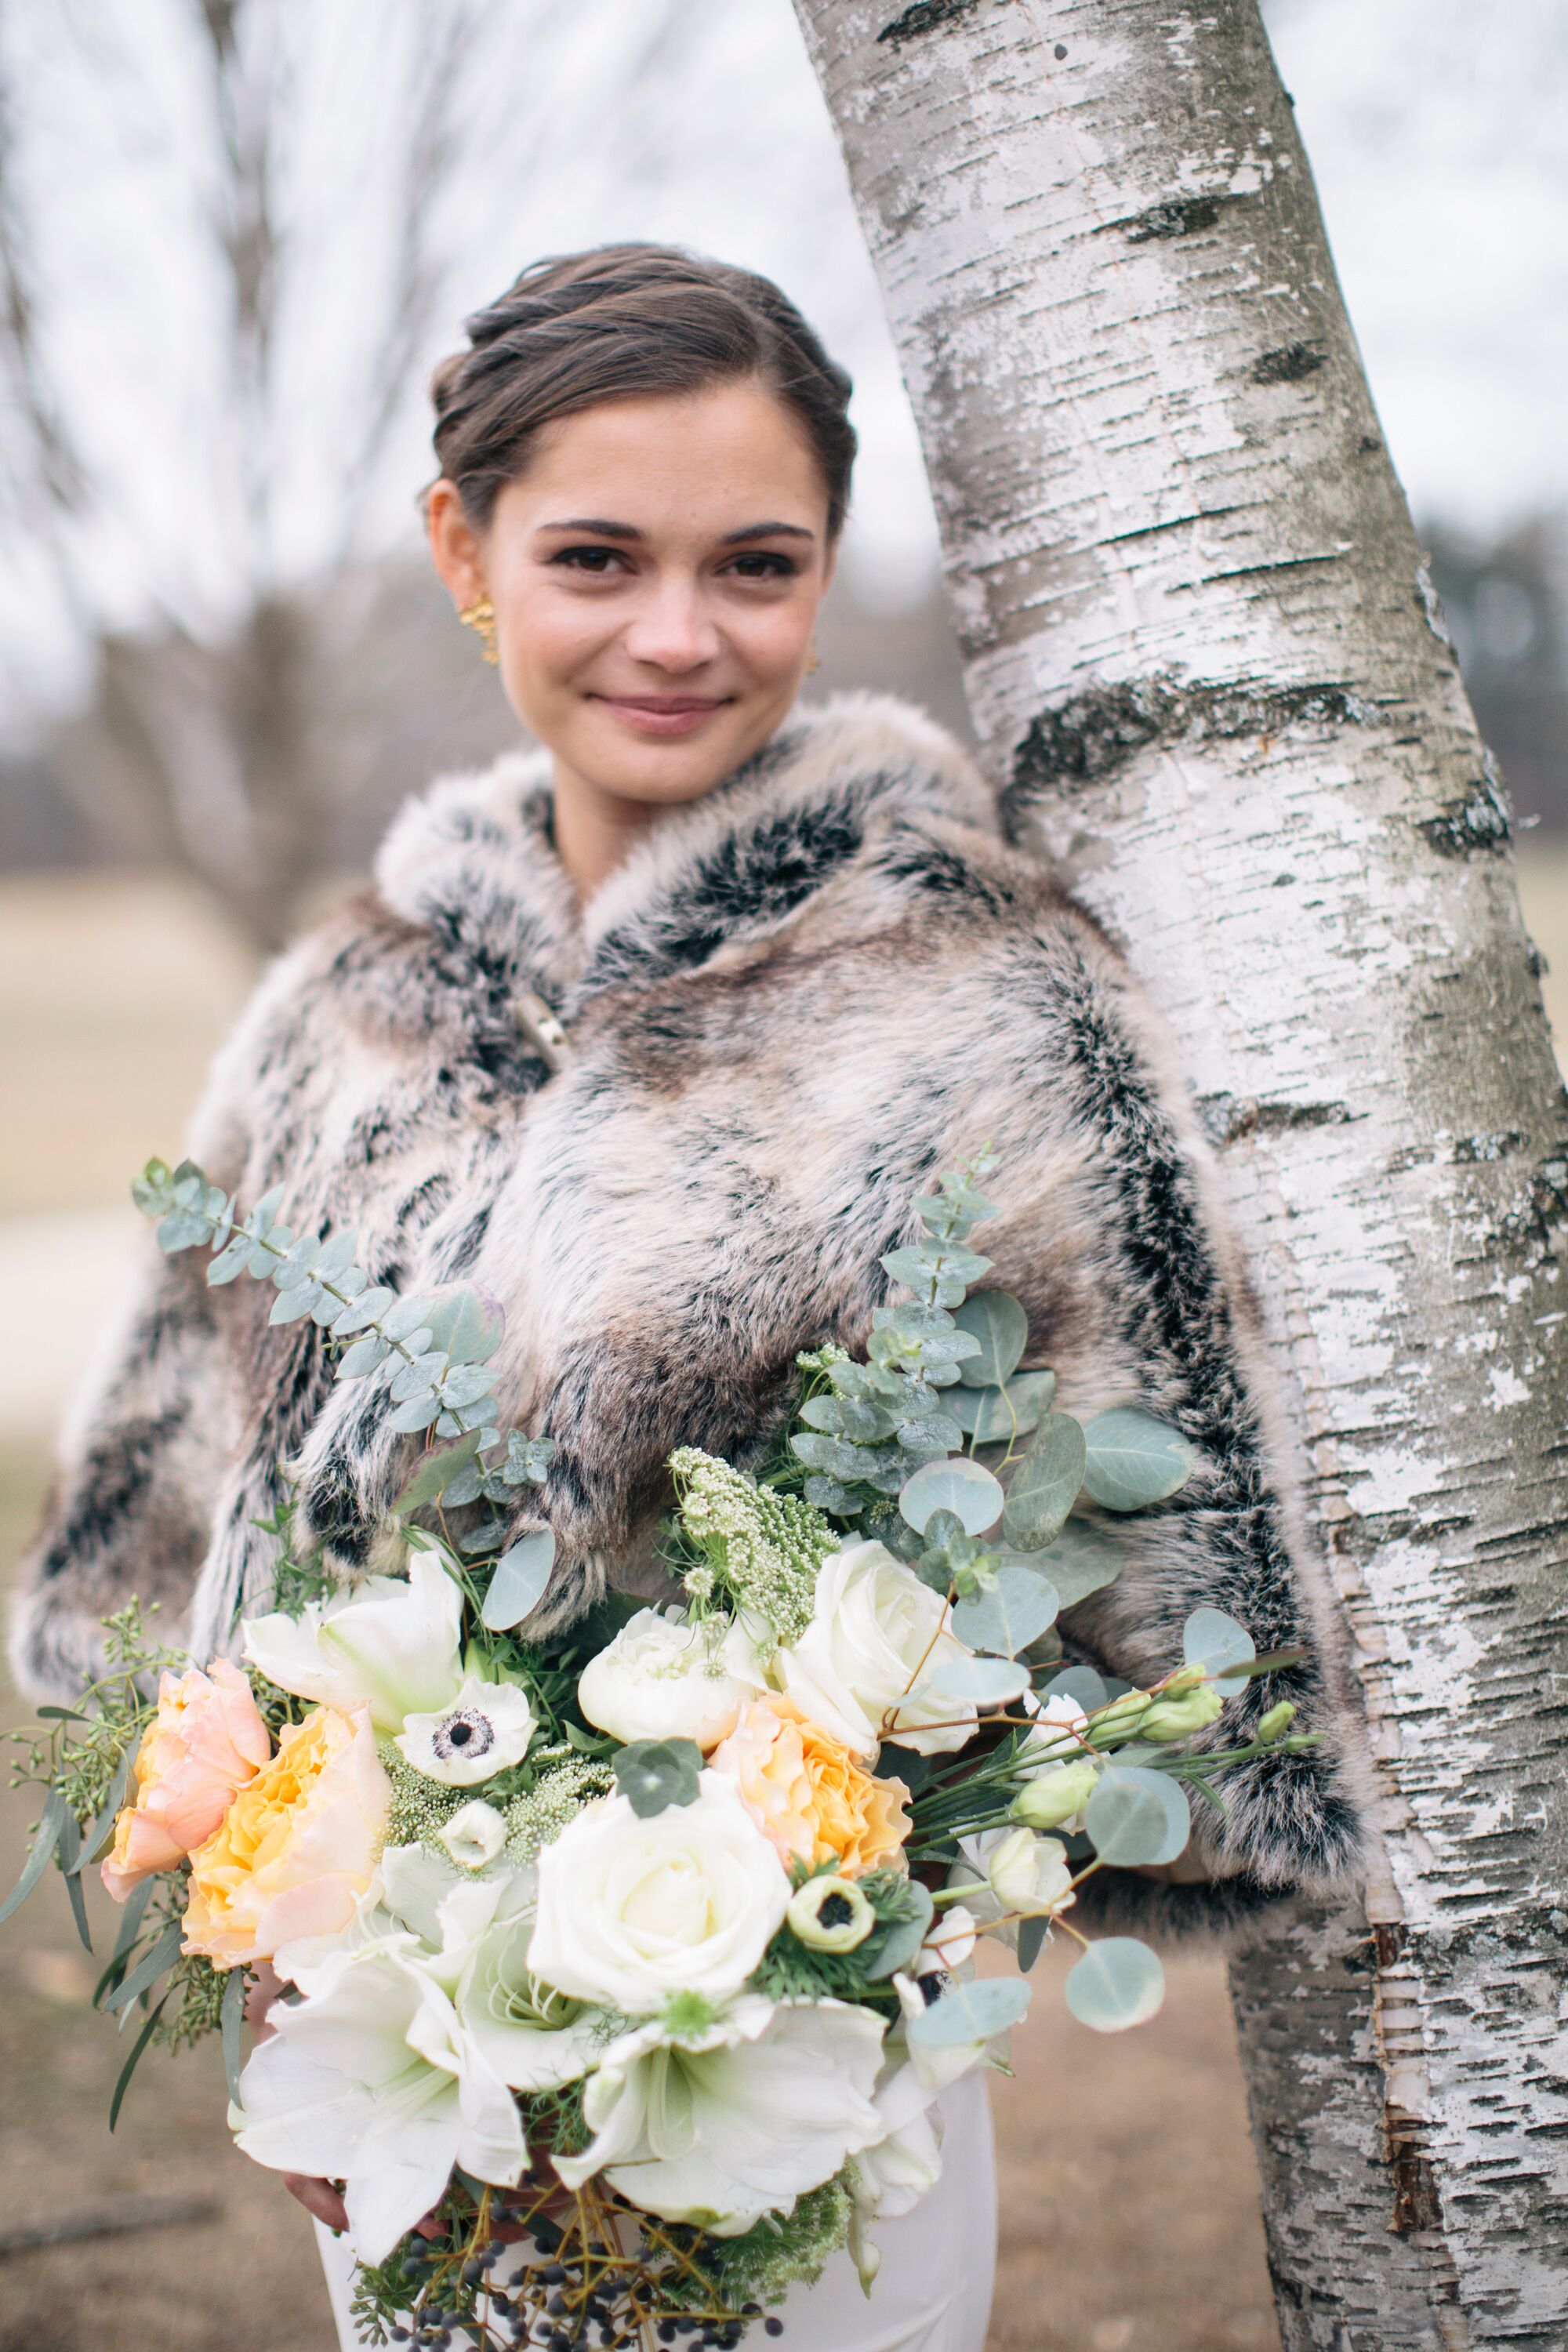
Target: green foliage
[
  {"x": 434, "y": 1348},
  {"x": 791, "y": 1970},
  {"x": 652, "y": 1774},
  {"x": 196, "y": 1998},
  {"x": 765, "y": 2261},
  {"x": 538, "y": 1817}
]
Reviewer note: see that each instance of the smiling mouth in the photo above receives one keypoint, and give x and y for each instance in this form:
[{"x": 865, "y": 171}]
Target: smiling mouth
[{"x": 664, "y": 714}]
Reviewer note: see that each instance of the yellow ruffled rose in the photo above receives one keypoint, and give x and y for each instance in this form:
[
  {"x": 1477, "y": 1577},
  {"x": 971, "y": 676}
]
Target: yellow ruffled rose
[
  {"x": 297, "y": 1848},
  {"x": 806, "y": 1791}
]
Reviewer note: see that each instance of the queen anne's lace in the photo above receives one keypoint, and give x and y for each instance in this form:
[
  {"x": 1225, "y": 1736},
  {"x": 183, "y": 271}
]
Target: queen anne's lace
[
  {"x": 536, "y": 1819},
  {"x": 766, "y": 1546}
]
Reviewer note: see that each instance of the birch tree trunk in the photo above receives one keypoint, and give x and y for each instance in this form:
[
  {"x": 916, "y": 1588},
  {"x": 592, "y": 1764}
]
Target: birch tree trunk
[{"x": 1200, "y": 644}]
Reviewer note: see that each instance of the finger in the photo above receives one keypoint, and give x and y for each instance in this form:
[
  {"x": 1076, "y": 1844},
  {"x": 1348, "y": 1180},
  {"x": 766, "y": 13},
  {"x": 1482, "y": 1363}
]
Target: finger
[{"x": 318, "y": 2198}]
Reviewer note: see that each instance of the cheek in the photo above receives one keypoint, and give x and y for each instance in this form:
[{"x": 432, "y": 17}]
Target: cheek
[
  {"x": 771, "y": 639},
  {"x": 545, "y": 639}
]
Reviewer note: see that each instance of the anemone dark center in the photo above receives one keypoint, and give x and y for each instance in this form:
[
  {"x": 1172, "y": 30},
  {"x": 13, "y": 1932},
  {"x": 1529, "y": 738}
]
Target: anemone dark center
[
  {"x": 836, "y": 1911},
  {"x": 469, "y": 1733}
]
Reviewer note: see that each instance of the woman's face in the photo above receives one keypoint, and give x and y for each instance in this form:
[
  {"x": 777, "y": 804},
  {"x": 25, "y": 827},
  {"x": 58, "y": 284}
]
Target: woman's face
[{"x": 656, "y": 573}]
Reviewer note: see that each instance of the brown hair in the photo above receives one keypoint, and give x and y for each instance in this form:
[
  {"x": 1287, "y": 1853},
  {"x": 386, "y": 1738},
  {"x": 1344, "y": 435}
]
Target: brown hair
[{"x": 617, "y": 322}]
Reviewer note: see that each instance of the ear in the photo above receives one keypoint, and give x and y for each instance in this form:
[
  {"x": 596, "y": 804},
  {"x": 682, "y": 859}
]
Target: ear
[{"x": 456, "y": 548}]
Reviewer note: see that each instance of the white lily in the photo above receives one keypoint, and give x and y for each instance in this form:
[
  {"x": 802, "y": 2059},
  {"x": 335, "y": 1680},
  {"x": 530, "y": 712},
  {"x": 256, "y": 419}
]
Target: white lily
[
  {"x": 372, "y": 2080},
  {"x": 394, "y": 1645},
  {"x": 532, "y": 2036},
  {"x": 736, "y": 2114}
]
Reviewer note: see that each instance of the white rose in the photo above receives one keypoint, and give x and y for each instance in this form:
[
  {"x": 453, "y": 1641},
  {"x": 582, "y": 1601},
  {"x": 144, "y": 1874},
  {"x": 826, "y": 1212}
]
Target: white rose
[
  {"x": 484, "y": 1728},
  {"x": 862, "y": 1668},
  {"x": 1030, "y": 1873},
  {"x": 662, "y": 1679},
  {"x": 631, "y": 1911},
  {"x": 730, "y": 2119}
]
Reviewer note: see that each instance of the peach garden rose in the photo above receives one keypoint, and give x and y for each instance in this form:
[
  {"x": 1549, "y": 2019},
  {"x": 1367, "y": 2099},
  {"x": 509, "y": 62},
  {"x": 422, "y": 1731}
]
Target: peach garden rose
[
  {"x": 298, "y": 1847},
  {"x": 806, "y": 1791},
  {"x": 206, "y": 1742}
]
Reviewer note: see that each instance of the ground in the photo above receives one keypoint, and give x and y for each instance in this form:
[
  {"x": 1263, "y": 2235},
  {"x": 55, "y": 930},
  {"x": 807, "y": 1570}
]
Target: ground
[{"x": 1129, "y": 2201}]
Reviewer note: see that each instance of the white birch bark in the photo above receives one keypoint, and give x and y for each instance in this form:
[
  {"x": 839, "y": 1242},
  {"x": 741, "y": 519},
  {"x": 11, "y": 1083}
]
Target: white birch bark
[{"x": 1200, "y": 642}]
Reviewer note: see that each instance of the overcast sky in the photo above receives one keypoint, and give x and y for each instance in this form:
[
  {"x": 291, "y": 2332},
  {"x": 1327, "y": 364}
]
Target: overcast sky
[{"x": 1436, "y": 129}]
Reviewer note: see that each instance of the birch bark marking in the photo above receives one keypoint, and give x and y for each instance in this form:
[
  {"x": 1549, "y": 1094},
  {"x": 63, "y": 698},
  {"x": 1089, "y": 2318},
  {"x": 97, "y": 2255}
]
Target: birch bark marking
[{"x": 1201, "y": 652}]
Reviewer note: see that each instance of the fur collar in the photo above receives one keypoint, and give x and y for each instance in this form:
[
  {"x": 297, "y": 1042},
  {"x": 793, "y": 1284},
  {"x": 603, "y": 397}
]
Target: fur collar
[{"x": 472, "y": 856}]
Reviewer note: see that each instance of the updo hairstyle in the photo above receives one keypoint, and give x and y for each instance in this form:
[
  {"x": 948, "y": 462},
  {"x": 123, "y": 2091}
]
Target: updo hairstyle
[{"x": 624, "y": 321}]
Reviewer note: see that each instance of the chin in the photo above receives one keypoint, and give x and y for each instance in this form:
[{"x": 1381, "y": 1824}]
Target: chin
[{"x": 669, "y": 773}]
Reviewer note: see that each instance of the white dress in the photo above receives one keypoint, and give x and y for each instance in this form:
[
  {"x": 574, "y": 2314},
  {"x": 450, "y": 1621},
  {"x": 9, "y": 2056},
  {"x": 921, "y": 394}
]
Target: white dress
[{"x": 932, "y": 2292}]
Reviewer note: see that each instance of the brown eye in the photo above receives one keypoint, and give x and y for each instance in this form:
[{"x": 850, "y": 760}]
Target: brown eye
[
  {"x": 595, "y": 561},
  {"x": 764, "y": 566}
]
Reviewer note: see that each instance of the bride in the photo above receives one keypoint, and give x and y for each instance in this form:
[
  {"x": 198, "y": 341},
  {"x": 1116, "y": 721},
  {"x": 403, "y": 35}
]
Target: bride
[{"x": 654, "y": 1033}]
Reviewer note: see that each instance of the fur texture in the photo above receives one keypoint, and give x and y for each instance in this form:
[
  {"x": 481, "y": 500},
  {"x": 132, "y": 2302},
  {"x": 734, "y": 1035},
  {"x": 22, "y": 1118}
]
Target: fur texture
[{"x": 795, "y": 1003}]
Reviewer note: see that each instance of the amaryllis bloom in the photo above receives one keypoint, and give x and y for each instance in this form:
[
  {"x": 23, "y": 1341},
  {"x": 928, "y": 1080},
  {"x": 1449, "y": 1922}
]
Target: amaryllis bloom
[
  {"x": 371, "y": 2080},
  {"x": 662, "y": 1679},
  {"x": 633, "y": 1910},
  {"x": 724, "y": 2120},
  {"x": 485, "y": 1727},
  {"x": 804, "y": 1788},
  {"x": 298, "y": 1847},
  {"x": 204, "y": 1743},
  {"x": 863, "y": 1667},
  {"x": 394, "y": 1645}
]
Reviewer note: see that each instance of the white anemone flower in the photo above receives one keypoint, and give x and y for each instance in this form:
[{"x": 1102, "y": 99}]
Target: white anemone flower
[
  {"x": 718, "y": 2122},
  {"x": 485, "y": 1727},
  {"x": 395, "y": 1644},
  {"x": 371, "y": 2079}
]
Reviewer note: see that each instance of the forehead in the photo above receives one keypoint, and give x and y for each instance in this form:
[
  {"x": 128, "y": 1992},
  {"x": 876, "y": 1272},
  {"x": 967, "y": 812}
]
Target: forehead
[{"x": 714, "y": 459}]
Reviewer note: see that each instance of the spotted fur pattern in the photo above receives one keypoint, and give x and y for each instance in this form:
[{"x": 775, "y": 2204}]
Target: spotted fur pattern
[{"x": 795, "y": 1003}]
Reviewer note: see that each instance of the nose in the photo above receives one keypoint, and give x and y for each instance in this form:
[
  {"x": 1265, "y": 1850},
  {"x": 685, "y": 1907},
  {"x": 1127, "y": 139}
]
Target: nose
[{"x": 671, "y": 629}]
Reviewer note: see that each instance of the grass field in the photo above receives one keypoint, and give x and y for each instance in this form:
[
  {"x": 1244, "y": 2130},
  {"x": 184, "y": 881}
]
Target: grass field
[{"x": 1130, "y": 2202}]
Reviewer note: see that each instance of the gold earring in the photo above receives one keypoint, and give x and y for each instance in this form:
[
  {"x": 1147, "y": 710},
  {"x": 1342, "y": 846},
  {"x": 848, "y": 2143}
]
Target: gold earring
[
  {"x": 814, "y": 662},
  {"x": 480, "y": 615}
]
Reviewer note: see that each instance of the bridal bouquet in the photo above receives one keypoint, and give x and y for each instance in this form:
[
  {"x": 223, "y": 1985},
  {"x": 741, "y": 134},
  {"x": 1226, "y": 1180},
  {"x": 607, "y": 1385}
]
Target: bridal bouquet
[{"x": 619, "y": 1973}]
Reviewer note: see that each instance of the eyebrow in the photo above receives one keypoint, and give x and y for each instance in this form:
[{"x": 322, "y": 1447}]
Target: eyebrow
[{"x": 601, "y": 529}]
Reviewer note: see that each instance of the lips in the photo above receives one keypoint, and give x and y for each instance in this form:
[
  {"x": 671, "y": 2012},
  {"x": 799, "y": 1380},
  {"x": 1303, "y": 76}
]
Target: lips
[{"x": 663, "y": 714}]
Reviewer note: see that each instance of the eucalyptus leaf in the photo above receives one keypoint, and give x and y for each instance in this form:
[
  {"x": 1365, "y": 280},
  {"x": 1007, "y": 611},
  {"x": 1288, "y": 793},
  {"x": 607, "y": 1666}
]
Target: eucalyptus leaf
[
  {"x": 231, "y": 1261},
  {"x": 45, "y": 1837},
  {"x": 417, "y": 1415},
  {"x": 1118, "y": 1982},
  {"x": 847, "y": 1416},
  {"x": 103, "y": 1827},
  {"x": 293, "y": 1305},
  {"x": 434, "y": 1476},
  {"x": 1032, "y": 1935},
  {"x": 336, "y": 1254},
  {"x": 1211, "y": 1639},
  {"x": 416, "y": 1377},
  {"x": 1045, "y": 1484},
  {"x": 1080, "y": 1560},
  {"x": 1014, "y": 1612},
  {"x": 827, "y": 1494},
  {"x": 931, "y": 1434},
  {"x": 467, "y": 1324},
  {"x": 298, "y": 1262},
  {"x": 402, "y": 1319},
  {"x": 966, "y": 1489},
  {"x": 976, "y": 2012},
  {"x": 1134, "y": 1460},
  {"x": 151, "y": 1965},
  {"x": 368, "y": 1308},
  {"x": 366, "y": 1356},
  {"x": 518, "y": 1585},
  {"x": 1136, "y": 1817},
  {"x": 997, "y": 1320},
  {"x": 837, "y": 1455},
  {"x": 893, "y": 1943},
  {"x": 978, "y": 1682},
  {"x": 137, "y": 2047},
  {"x": 1081, "y": 1684},
  {"x": 653, "y": 1773},
  {"x": 68, "y": 1854},
  {"x": 465, "y": 1384},
  {"x": 995, "y": 1416}
]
